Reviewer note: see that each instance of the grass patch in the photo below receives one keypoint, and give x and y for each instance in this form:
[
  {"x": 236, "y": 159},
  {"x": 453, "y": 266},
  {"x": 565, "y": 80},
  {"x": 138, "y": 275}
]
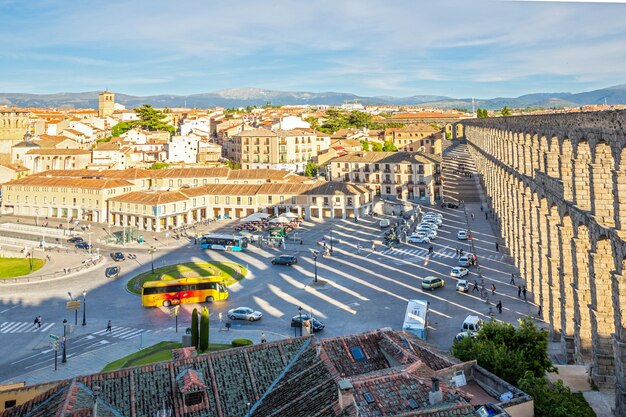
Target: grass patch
[
  {"x": 162, "y": 351},
  {"x": 230, "y": 272},
  {"x": 16, "y": 267}
]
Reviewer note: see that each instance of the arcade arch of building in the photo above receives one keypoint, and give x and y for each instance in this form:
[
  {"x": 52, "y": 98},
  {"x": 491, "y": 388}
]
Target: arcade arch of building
[{"x": 557, "y": 185}]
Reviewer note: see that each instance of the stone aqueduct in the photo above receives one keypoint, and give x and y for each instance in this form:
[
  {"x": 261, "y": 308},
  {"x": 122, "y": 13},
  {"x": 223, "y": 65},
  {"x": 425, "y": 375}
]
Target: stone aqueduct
[{"x": 557, "y": 185}]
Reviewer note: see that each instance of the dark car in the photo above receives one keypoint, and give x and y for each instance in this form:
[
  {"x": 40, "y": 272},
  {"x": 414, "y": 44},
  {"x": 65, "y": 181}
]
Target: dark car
[
  {"x": 75, "y": 239},
  {"x": 82, "y": 245},
  {"x": 316, "y": 324},
  {"x": 452, "y": 205},
  {"x": 118, "y": 256},
  {"x": 284, "y": 260},
  {"x": 112, "y": 272}
]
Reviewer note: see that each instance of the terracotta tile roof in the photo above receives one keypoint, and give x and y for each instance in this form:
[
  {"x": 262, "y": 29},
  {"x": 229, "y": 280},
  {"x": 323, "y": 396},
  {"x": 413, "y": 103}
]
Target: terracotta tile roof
[
  {"x": 255, "y": 174},
  {"x": 256, "y": 132},
  {"x": 190, "y": 172},
  {"x": 284, "y": 188},
  {"x": 72, "y": 131},
  {"x": 39, "y": 181},
  {"x": 127, "y": 174},
  {"x": 15, "y": 167},
  {"x": 389, "y": 158},
  {"x": 150, "y": 197},
  {"x": 336, "y": 188},
  {"x": 59, "y": 152},
  {"x": 107, "y": 146},
  {"x": 221, "y": 189}
]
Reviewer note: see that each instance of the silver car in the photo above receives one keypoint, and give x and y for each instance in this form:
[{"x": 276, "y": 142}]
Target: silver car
[{"x": 244, "y": 313}]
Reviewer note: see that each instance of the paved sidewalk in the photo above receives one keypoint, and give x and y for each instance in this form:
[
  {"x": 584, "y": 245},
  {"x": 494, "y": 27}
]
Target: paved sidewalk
[{"x": 93, "y": 361}]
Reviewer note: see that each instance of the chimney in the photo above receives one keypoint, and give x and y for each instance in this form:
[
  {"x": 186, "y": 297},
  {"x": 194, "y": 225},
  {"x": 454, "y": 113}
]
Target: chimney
[
  {"x": 346, "y": 397},
  {"x": 435, "y": 395},
  {"x": 96, "y": 393}
]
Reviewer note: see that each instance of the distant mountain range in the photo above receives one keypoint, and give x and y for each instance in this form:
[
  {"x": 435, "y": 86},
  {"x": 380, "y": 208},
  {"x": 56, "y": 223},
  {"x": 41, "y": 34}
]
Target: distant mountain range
[{"x": 242, "y": 97}]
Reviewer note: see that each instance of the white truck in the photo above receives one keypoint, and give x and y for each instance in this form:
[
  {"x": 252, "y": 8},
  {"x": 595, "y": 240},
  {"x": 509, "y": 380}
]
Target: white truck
[{"x": 416, "y": 318}]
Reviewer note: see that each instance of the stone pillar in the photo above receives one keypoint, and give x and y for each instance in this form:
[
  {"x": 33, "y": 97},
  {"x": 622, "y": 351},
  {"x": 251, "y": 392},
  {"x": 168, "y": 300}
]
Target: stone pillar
[
  {"x": 554, "y": 267},
  {"x": 582, "y": 297},
  {"x": 566, "y": 282},
  {"x": 602, "y": 193},
  {"x": 582, "y": 189},
  {"x": 553, "y": 164},
  {"x": 566, "y": 173},
  {"x": 602, "y": 315}
]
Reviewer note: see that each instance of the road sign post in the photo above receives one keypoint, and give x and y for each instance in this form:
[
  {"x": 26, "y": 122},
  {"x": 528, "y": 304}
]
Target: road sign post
[
  {"x": 54, "y": 342},
  {"x": 73, "y": 305},
  {"x": 174, "y": 313}
]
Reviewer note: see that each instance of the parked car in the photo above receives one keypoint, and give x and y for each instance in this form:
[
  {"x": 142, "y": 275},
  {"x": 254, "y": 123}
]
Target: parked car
[
  {"x": 316, "y": 325},
  {"x": 82, "y": 245},
  {"x": 244, "y": 313},
  {"x": 470, "y": 327},
  {"x": 464, "y": 260},
  {"x": 459, "y": 272},
  {"x": 430, "y": 283},
  {"x": 432, "y": 235},
  {"x": 384, "y": 223},
  {"x": 112, "y": 272},
  {"x": 452, "y": 205},
  {"x": 461, "y": 235},
  {"x": 75, "y": 239},
  {"x": 434, "y": 220},
  {"x": 462, "y": 285},
  {"x": 284, "y": 260},
  {"x": 118, "y": 256},
  {"x": 430, "y": 226},
  {"x": 418, "y": 239}
]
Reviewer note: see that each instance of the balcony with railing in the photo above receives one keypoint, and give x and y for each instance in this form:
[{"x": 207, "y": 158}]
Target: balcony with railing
[{"x": 387, "y": 171}]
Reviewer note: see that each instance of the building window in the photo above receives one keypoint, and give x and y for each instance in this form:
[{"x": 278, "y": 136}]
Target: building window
[
  {"x": 171, "y": 183},
  {"x": 293, "y": 200},
  {"x": 349, "y": 201},
  {"x": 227, "y": 200},
  {"x": 325, "y": 201},
  {"x": 249, "y": 201},
  {"x": 217, "y": 199},
  {"x": 269, "y": 199},
  {"x": 314, "y": 199},
  {"x": 193, "y": 398},
  {"x": 387, "y": 190},
  {"x": 238, "y": 201}
]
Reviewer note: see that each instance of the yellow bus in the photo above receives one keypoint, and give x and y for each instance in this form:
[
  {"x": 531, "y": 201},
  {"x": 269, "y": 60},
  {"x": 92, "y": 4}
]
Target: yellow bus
[{"x": 185, "y": 290}]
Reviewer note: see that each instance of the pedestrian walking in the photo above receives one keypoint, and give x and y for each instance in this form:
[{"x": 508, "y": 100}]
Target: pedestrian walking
[
  {"x": 539, "y": 312},
  {"x": 301, "y": 241},
  {"x": 263, "y": 338},
  {"x": 475, "y": 286},
  {"x": 499, "y": 306},
  {"x": 493, "y": 289},
  {"x": 524, "y": 292},
  {"x": 512, "y": 279},
  {"x": 481, "y": 207},
  {"x": 486, "y": 216},
  {"x": 472, "y": 214},
  {"x": 457, "y": 251},
  {"x": 373, "y": 247},
  {"x": 497, "y": 247},
  {"x": 39, "y": 321},
  {"x": 519, "y": 291},
  {"x": 109, "y": 328}
]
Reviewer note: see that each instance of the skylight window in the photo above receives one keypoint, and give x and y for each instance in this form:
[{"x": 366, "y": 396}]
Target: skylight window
[
  {"x": 357, "y": 353},
  {"x": 369, "y": 398}
]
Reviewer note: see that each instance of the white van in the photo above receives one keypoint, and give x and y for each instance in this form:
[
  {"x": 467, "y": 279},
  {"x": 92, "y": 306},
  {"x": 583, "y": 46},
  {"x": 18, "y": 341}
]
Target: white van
[
  {"x": 384, "y": 223},
  {"x": 470, "y": 326},
  {"x": 416, "y": 318}
]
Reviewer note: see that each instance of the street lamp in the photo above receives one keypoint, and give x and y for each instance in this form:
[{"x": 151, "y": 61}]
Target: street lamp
[
  {"x": 315, "y": 261},
  {"x": 84, "y": 307},
  {"x": 300, "y": 314},
  {"x": 151, "y": 252},
  {"x": 331, "y": 239},
  {"x": 64, "y": 341}
]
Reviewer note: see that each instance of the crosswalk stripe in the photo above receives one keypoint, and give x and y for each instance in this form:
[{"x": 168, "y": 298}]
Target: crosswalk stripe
[
  {"x": 23, "y": 327},
  {"x": 121, "y": 332},
  {"x": 10, "y": 326},
  {"x": 20, "y": 327}
]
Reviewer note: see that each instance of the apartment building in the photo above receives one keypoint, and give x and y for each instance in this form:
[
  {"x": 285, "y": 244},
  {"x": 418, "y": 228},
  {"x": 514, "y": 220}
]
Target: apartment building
[
  {"x": 412, "y": 176},
  {"x": 288, "y": 150}
]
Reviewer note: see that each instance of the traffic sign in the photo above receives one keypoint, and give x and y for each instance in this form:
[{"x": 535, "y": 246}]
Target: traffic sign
[
  {"x": 72, "y": 305},
  {"x": 174, "y": 311},
  {"x": 54, "y": 342}
]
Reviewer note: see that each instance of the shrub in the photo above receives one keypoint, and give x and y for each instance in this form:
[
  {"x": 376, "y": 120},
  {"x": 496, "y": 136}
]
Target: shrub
[
  {"x": 241, "y": 342},
  {"x": 204, "y": 329},
  {"x": 194, "y": 328}
]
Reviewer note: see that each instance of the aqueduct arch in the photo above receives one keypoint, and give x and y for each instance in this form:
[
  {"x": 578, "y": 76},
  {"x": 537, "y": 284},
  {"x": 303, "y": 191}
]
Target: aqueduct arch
[{"x": 558, "y": 188}]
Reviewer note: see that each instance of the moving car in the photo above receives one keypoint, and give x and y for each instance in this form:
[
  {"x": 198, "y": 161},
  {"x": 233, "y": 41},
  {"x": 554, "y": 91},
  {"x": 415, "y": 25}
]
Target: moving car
[
  {"x": 384, "y": 223},
  {"x": 452, "y": 205},
  {"x": 75, "y": 239},
  {"x": 464, "y": 260},
  {"x": 284, "y": 260},
  {"x": 244, "y": 313},
  {"x": 82, "y": 245},
  {"x": 112, "y": 272},
  {"x": 430, "y": 283},
  {"x": 461, "y": 235},
  {"x": 316, "y": 325},
  {"x": 118, "y": 256},
  {"x": 463, "y": 285},
  {"x": 418, "y": 239},
  {"x": 459, "y": 272},
  {"x": 434, "y": 220}
]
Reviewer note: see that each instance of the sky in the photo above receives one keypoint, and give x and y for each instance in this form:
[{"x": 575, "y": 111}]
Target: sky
[{"x": 461, "y": 49}]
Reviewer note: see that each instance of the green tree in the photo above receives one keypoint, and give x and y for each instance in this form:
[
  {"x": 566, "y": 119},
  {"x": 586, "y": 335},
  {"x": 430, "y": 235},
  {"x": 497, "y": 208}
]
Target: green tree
[
  {"x": 194, "y": 328},
  {"x": 233, "y": 165},
  {"x": 388, "y": 146},
  {"x": 505, "y": 111},
  {"x": 377, "y": 147},
  {"x": 159, "y": 165},
  {"x": 359, "y": 119},
  {"x": 507, "y": 351},
  {"x": 204, "y": 329},
  {"x": 554, "y": 400},
  {"x": 313, "y": 121},
  {"x": 119, "y": 129},
  {"x": 366, "y": 145},
  {"x": 151, "y": 119},
  {"x": 482, "y": 113},
  {"x": 310, "y": 170}
]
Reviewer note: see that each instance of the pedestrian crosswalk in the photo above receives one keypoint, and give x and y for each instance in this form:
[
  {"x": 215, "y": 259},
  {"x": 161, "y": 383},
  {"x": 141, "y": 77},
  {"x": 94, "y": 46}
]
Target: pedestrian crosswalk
[
  {"x": 405, "y": 254},
  {"x": 121, "y": 332},
  {"x": 23, "y": 327}
]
